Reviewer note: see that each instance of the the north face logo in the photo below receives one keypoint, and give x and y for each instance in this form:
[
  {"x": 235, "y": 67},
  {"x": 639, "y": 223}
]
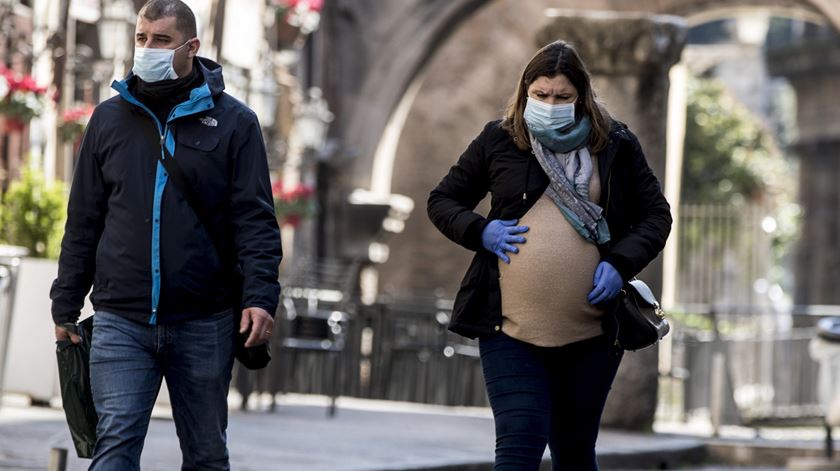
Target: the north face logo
[{"x": 208, "y": 121}]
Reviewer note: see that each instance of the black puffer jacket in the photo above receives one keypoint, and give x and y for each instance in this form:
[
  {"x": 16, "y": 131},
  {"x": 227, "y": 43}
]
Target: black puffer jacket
[{"x": 637, "y": 213}]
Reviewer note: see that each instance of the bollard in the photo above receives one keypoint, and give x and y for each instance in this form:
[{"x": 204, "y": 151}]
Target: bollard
[
  {"x": 58, "y": 459},
  {"x": 718, "y": 390}
]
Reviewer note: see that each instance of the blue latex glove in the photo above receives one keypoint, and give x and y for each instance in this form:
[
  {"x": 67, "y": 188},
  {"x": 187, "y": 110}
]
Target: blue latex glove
[
  {"x": 607, "y": 284},
  {"x": 498, "y": 237}
]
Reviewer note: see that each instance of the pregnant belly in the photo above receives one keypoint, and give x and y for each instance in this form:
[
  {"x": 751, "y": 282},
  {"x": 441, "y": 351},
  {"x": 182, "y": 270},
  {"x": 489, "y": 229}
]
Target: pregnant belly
[{"x": 544, "y": 287}]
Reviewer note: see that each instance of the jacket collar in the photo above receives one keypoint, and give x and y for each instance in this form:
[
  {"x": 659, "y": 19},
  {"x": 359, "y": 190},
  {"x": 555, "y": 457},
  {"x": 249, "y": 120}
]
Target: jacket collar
[
  {"x": 212, "y": 75},
  {"x": 201, "y": 97}
]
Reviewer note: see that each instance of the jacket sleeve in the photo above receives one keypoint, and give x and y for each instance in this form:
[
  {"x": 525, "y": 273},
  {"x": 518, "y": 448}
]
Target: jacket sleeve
[
  {"x": 450, "y": 205},
  {"x": 86, "y": 210},
  {"x": 256, "y": 234},
  {"x": 650, "y": 218}
]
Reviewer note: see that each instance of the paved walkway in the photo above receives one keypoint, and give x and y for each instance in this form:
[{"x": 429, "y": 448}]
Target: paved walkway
[{"x": 364, "y": 436}]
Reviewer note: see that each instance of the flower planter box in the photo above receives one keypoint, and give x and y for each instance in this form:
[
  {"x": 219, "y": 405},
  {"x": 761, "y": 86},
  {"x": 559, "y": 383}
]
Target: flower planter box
[
  {"x": 31, "y": 367},
  {"x": 30, "y": 359}
]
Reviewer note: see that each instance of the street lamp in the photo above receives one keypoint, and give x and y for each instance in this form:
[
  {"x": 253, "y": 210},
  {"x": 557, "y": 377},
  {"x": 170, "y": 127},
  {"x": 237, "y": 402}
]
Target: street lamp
[
  {"x": 312, "y": 120},
  {"x": 117, "y": 16}
]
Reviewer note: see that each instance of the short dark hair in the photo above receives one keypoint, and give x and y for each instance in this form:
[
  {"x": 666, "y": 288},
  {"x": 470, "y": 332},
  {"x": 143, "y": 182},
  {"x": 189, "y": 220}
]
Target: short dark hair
[
  {"x": 552, "y": 60},
  {"x": 154, "y": 10}
]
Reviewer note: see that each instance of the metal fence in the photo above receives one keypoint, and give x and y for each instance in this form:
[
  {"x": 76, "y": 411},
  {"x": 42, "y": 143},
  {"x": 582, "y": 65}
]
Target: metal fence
[
  {"x": 741, "y": 380},
  {"x": 722, "y": 252},
  {"x": 396, "y": 349},
  {"x": 733, "y": 353}
]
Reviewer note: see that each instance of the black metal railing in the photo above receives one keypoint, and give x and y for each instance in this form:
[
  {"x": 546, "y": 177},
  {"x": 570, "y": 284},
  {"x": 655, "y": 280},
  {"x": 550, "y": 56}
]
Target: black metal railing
[{"x": 395, "y": 349}]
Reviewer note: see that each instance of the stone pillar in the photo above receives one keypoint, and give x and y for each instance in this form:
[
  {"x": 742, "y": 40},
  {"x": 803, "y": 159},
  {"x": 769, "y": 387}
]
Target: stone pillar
[
  {"x": 629, "y": 56},
  {"x": 813, "y": 68}
]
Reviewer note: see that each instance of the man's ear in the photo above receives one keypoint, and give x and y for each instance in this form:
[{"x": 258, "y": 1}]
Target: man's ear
[{"x": 193, "y": 47}]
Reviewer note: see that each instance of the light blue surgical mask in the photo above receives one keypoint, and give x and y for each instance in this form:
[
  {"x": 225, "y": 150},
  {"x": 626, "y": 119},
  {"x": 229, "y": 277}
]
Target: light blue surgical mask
[
  {"x": 153, "y": 65},
  {"x": 541, "y": 117}
]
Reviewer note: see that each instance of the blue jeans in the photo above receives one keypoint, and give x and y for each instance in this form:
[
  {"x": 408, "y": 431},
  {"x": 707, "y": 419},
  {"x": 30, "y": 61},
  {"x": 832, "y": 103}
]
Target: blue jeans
[
  {"x": 542, "y": 395},
  {"x": 128, "y": 361}
]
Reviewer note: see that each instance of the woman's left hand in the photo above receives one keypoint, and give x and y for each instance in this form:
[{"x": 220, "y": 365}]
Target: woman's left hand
[{"x": 608, "y": 283}]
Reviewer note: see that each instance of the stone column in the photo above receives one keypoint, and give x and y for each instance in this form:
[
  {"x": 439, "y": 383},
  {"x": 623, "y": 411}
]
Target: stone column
[
  {"x": 813, "y": 69},
  {"x": 629, "y": 56}
]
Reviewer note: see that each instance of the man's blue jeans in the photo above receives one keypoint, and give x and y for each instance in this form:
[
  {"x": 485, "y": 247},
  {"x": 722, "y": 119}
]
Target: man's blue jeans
[{"x": 128, "y": 361}]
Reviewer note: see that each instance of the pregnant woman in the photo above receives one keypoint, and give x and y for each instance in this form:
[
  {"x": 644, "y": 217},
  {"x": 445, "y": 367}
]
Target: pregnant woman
[{"x": 575, "y": 212}]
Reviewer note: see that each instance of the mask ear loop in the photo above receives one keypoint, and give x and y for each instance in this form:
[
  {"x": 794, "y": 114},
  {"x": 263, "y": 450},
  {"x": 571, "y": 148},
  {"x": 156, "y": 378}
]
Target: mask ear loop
[
  {"x": 179, "y": 47},
  {"x": 185, "y": 44},
  {"x": 188, "y": 47}
]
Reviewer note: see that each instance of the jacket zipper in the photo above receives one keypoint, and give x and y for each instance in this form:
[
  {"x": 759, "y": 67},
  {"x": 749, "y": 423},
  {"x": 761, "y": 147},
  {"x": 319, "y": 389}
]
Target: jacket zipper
[
  {"x": 616, "y": 343},
  {"x": 609, "y": 186},
  {"x": 528, "y": 176}
]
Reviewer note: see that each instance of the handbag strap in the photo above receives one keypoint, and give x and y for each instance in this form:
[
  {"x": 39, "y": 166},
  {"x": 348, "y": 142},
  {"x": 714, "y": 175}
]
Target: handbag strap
[{"x": 176, "y": 175}]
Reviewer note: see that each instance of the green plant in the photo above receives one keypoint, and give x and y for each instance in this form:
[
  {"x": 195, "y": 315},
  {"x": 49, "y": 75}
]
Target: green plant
[
  {"x": 32, "y": 214},
  {"x": 730, "y": 158}
]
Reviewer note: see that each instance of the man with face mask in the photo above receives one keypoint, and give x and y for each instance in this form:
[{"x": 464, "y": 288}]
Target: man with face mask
[{"x": 163, "y": 289}]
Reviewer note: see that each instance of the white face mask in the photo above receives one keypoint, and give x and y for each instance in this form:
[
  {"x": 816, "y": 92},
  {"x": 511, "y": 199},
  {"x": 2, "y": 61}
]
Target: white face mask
[
  {"x": 540, "y": 116},
  {"x": 153, "y": 65}
]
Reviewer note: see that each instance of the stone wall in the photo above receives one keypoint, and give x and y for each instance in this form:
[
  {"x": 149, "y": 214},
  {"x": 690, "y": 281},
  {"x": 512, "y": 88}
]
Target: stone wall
[{"x": 813, "y": 69}]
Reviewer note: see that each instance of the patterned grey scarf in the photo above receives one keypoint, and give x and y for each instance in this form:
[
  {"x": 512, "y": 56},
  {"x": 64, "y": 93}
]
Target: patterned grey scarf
[{"x": 569, "y": 190}]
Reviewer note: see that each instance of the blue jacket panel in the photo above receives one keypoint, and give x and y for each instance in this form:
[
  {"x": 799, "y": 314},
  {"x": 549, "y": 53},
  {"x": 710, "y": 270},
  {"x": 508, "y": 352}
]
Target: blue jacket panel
[{"x": 136, "y": 240}]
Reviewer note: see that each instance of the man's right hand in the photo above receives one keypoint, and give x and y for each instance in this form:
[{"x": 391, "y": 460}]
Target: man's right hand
[{"x": 61, "y": 333}]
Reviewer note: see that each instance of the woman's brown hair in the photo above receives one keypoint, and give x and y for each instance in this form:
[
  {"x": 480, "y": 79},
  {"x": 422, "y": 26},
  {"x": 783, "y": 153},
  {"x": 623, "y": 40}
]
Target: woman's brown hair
[{"x": 552, "y": 60}]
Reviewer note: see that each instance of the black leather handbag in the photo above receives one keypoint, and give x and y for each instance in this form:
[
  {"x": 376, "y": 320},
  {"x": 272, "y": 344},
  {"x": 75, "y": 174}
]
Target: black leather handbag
[
  {"x": 640, "y": 321},
  {"x": 253, "y": 358}
]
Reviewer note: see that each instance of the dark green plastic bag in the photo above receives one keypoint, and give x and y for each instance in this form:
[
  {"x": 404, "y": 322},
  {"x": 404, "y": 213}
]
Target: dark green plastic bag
[{"x": 76, "y": 397}]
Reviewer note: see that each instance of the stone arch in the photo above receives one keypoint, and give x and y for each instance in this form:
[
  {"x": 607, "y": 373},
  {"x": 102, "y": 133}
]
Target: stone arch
[{"x": 378, "y": 49}]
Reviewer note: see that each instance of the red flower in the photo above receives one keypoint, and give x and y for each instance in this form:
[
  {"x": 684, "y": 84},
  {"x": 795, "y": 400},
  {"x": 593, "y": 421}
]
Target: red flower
[
  {"x": 276, "y": 188},
  {"x": 299, "y": 191},
  {"x": 291, "y": 220},
  {"x": 78, "y": 114},
  {"x": 14, "y": 125},
  {"x": 293, "y": 204},
  {"x": 312, "y": 5},
  {"x": 25, "y": 83}
]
